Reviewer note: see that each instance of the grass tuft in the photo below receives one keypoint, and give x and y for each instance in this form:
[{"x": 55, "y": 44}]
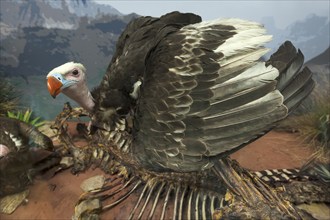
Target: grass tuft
[
  {"x": 313, "y": 120},
  {"x": 26, "y": 117}
]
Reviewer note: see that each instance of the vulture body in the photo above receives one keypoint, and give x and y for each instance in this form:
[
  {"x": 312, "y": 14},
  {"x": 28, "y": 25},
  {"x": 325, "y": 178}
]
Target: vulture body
[
  {"x": 180, "y": 94},
  {"x": 18, "y": 163},
  {"x": 16, "y": 135}
]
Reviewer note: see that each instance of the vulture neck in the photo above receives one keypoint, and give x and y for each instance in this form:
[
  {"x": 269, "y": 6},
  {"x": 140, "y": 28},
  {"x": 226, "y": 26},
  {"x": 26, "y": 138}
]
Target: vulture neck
[{"x": 81, "y": 94}]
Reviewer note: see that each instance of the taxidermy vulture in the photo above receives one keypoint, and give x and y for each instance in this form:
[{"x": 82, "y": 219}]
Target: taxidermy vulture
[
  {"x": 180, "y": 94},
  {"x": 19, "y": 163}
]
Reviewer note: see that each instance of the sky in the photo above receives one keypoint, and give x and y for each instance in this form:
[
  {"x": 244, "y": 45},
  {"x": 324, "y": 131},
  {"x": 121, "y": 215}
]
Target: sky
[{"x": 284, "y": 12}]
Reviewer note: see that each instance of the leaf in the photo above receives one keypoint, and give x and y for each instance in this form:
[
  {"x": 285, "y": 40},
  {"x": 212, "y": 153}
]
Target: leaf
[
  {"x": 20, "y": 116},
  {"x": 40, "y": 124},
  {"x": 27, "y": 116},
  {"x": 34, "y": 121},
  {"x": 11, "y": 114}
]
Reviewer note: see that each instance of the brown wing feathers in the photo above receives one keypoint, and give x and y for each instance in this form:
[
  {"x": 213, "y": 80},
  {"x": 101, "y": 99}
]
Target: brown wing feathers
[
  {"x": 128, "y": 63},
  {"x": 293, "y": 83},
  {"x": 204, "y": 92},
  {"x": 188, "y": 113}
]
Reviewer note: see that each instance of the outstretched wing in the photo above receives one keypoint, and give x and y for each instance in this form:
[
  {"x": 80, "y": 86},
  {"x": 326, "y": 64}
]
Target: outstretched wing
[
  {"x": 127, "y": 64},
  {"x": 205, "y": 94}
]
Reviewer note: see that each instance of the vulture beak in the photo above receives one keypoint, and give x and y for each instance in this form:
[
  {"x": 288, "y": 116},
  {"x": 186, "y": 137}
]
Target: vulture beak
[{"x": 54, "y": 85}]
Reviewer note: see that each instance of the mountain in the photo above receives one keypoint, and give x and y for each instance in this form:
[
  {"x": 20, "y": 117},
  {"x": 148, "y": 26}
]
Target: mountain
[
  {"x": 63, "y": 14},
  {"x": 310, "y": 35},
  {"x": 37, "y": 35},
  {"x": 85, "y": 8},
  {"x": 35, "y": 50},
  {"x": 322, "y": 59},
  {"x": 320, "y": 66}
]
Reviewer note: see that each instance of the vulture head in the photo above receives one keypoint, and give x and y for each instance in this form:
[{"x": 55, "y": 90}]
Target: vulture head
[{"x": 70, "y": 79}]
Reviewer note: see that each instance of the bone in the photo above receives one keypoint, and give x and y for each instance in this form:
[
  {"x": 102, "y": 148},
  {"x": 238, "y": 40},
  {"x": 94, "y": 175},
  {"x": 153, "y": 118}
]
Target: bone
[
  {"x": 181, "y": 202},
  {"x": 169, "y": 190},
  {"x": 122, "y": 198},
  {"x": 204, "y": 207},
  {"x": 196, "y": 206},
  {"x": 177, "y": 190},
  {"x": 189, "y": 204},
  {"x": 152, "y": 187},
  {"x": 156, "y": 201},
  {"x": 138, "y": 202}
]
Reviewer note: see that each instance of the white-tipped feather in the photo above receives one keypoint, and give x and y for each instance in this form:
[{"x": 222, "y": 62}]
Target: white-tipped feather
[
  {"x": 268, "y": 172},
  {"x": 265, "y": 178},
  {"x": 238, "y": 23},
  {"x": 275, "y": 97},
  {"x": 245, "y": 46},
  {"x": 258, "y": 174},
  {"x": 249, "y": 35},
  {"x": 18, "y": 142},
  {"x": 136, "y": 89},
  {"x": 230, "y": 62},
  {"x": 243, "y": 41},
  {"x": 258, "y": 72}
]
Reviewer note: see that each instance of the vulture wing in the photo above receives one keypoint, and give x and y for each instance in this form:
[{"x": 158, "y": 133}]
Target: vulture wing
[
  {"x": 205, "y": 93},
  {"x": 16, "y": 134},
  {"x": 127, "y": 65}
]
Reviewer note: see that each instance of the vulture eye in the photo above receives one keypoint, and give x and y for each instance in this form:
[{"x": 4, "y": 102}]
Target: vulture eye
[{"x": 75, "y": 72}]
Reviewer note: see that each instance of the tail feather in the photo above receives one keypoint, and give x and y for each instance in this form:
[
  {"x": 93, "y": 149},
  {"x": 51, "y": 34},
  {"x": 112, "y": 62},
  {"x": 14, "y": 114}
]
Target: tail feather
[
  {"x": 309, "y": 172},
  {"x": 279, "y": 175},
  {"x": 293, "y": 102},
  {"x": 293, "y": 83},
  {"x": 283, "y": 57},
  {"x": 291, "y": 71},
  {"x": 303, "y": 78}
]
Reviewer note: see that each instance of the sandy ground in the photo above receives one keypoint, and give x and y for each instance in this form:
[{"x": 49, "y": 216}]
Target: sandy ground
[{"x": 55, "y": 198}]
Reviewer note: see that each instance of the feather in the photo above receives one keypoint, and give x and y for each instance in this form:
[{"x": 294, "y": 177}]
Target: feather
[
  {"x": 293, "y": 102},
  {"x": 217, "y": 95},
  {"x": 291, "y": 71},
  {"x": 202, "y": 90},
  {"x": 297, "y": 83}
]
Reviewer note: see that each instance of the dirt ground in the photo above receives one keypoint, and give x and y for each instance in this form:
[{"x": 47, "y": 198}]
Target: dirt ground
[{"x": 55, "y": 198}]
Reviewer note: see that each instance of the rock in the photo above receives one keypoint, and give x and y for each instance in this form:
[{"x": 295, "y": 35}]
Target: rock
[
  {"x": 9, "y": 204},
  {"x": 95, "y": 182},
  {"x": 47, "y": 130},
  {"x": 319, "y": 211},
  {"x": 86, "y": 207}
]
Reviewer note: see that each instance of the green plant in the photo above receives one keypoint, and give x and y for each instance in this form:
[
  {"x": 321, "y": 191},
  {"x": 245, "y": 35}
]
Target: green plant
[
  {"x": 9, "y": 97},
  {"x": 26, "y": 117},
  {"x": 323, "y": 171}
]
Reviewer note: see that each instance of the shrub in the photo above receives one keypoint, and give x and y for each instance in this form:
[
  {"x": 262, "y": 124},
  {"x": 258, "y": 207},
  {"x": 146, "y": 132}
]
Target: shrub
[
  {"x": 313, "y": 121},
  {"x": 9, "y": 97}
]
